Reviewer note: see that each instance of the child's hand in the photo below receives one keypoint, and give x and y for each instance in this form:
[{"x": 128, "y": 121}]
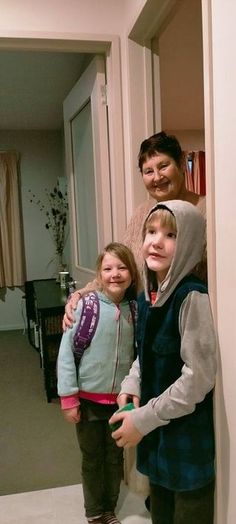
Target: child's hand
[
  {"x": 72, "y": 414},
  {"x": 124, "y": 399},
  {"x": 127, "y": 435}
]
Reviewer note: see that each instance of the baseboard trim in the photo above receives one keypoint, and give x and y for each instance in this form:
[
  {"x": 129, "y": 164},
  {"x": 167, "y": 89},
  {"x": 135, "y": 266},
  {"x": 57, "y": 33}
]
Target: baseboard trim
[{"x": 12, "y": 327}]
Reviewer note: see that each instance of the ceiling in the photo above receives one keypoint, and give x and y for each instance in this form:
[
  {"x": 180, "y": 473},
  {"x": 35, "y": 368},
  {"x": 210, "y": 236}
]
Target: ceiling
[{"x": 33, "y": 84}]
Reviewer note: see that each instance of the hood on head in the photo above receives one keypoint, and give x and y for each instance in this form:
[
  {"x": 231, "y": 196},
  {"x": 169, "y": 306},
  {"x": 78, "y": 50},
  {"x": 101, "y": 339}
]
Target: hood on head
[{"x": 190, "y": 242}]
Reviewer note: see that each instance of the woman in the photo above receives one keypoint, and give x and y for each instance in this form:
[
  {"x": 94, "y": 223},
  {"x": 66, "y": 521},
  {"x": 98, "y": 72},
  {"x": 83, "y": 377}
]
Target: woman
[{"x": 161, "y": 163}]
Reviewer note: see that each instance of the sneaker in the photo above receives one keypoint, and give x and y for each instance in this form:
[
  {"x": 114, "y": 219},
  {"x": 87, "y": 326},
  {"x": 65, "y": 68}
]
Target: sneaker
[
  {"x": 95, "y": 520},
  {"x": 110, "y": 518}
]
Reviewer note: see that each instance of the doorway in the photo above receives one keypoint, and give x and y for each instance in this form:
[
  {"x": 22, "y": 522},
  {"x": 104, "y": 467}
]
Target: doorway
[{"x": 51, "y": 150}]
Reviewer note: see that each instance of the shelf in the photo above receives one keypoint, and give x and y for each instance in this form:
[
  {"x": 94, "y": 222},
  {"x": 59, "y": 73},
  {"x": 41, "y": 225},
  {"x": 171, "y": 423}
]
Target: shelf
[{"x": 47, "y": 303}]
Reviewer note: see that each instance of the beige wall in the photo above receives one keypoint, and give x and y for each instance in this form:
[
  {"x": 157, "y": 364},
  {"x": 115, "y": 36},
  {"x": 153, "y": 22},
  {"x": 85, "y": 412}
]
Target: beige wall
[
  {"x": 75, "y": 16},
  {"x": 190, "y": 139},
  {"x": 220, "y": 126},
  {"x": 181, "y": 71}
]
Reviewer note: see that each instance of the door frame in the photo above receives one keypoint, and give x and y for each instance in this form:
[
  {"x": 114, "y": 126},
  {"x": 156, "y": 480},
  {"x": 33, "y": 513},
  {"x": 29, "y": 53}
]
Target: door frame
[
  {"x": 88, "y": 90},
  {"x": 144, "y": 37},
  {"x": 109, "y": 47}
]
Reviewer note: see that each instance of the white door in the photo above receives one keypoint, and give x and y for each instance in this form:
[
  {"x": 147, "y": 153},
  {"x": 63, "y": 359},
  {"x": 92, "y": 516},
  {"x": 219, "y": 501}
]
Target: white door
[{"x": 87, "y": 166}]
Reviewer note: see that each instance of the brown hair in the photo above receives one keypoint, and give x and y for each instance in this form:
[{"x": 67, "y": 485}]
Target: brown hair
[
  {"x": 165, "y": 216},
  {"x": 167, "y": 219},
  {"x": 126, "y": 256},
  {"x": 160, "y": 143}
]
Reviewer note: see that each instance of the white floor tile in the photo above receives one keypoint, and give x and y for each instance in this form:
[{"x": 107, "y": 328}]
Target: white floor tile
[{"x": 65, "y": 506}]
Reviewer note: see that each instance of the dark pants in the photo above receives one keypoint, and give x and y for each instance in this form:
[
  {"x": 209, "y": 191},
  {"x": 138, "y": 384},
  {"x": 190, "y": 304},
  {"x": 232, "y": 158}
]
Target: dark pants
[
  {"x": 102, "y": 466},
  {"x": 182, "y": 507}
]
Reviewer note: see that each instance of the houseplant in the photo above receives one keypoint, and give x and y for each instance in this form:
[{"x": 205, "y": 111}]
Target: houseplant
[{"x": 55, "y": 209}]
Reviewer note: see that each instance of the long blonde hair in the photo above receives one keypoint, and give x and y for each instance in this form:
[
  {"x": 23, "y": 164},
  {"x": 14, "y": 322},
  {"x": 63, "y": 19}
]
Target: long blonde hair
[{"x": 126, "y": 256}]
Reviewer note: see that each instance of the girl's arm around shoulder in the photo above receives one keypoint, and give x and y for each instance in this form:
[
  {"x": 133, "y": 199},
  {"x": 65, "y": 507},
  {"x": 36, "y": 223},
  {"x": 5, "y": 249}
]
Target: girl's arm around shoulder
[{"x": 72, "y": 303}]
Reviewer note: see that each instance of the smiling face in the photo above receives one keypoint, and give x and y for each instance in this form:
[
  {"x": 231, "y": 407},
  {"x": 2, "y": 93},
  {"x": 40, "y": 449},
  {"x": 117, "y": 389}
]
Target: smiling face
[
  {"x": 114, "y": 277},
  {"x": 163, "y": 178},
  {"x": 159, "y": 244}
]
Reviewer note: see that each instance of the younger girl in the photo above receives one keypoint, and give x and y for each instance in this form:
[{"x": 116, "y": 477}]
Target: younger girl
[{"x": 88, "y": 394}]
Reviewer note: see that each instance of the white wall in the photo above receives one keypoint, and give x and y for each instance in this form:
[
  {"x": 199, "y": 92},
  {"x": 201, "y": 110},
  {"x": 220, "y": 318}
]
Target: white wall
[
  {"x": 75, "y": 16},
  {"x": 41, "y": 164},
  {"x": 223, "y": 152}
]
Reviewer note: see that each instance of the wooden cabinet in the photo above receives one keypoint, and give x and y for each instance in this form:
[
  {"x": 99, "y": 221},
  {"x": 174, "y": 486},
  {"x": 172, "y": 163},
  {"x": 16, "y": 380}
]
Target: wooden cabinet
[{"x": 49, "y": 304}]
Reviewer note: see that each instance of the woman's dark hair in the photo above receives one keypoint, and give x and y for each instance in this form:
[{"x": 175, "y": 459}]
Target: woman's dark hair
[{"x": 160, "y": 143}]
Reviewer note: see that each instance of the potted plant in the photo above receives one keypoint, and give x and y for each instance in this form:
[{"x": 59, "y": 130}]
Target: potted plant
[{"x": 56, "y": 218}]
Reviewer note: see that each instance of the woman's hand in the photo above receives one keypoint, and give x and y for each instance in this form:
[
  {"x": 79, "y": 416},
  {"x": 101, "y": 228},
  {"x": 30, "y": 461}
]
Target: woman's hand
[
  {"x": 126, "y": 435},
  {"x": 72, "y": 415},
  {"x": 69, "y": 317}
]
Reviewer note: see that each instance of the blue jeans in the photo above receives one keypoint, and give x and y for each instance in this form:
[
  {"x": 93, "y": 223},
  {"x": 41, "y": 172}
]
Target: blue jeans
[
  {"x": 102, "y": 461},
  {"x": 182, "y": 507}
]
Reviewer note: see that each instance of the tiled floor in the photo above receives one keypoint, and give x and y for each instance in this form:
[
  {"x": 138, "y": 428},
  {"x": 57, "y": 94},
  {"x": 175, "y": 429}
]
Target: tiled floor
[{"x": 65, "y": 506}]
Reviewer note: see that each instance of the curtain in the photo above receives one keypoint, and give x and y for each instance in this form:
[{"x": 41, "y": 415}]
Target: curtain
[
  {"x": 195, "y": 171},
  {"x": 12, "y": 259}
]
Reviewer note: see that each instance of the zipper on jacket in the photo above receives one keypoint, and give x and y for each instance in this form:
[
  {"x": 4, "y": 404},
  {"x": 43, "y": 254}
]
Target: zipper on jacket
[{"x": 118, "y": 315}]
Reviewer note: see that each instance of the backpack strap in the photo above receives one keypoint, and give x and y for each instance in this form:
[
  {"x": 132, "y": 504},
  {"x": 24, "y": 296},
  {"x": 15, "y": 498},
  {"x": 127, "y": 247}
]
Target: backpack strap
[
  {"x": 134, "y": 311},
  {"x": 86, "y": 326}
]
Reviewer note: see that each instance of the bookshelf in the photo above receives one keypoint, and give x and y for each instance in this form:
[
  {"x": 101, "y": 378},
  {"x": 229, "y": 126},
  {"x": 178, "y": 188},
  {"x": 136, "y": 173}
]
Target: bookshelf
[{"x": 48, "y": 304}]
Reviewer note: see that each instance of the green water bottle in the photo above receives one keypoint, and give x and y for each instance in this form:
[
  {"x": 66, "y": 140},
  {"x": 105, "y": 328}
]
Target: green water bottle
[{"x": 127, "y": 407}]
